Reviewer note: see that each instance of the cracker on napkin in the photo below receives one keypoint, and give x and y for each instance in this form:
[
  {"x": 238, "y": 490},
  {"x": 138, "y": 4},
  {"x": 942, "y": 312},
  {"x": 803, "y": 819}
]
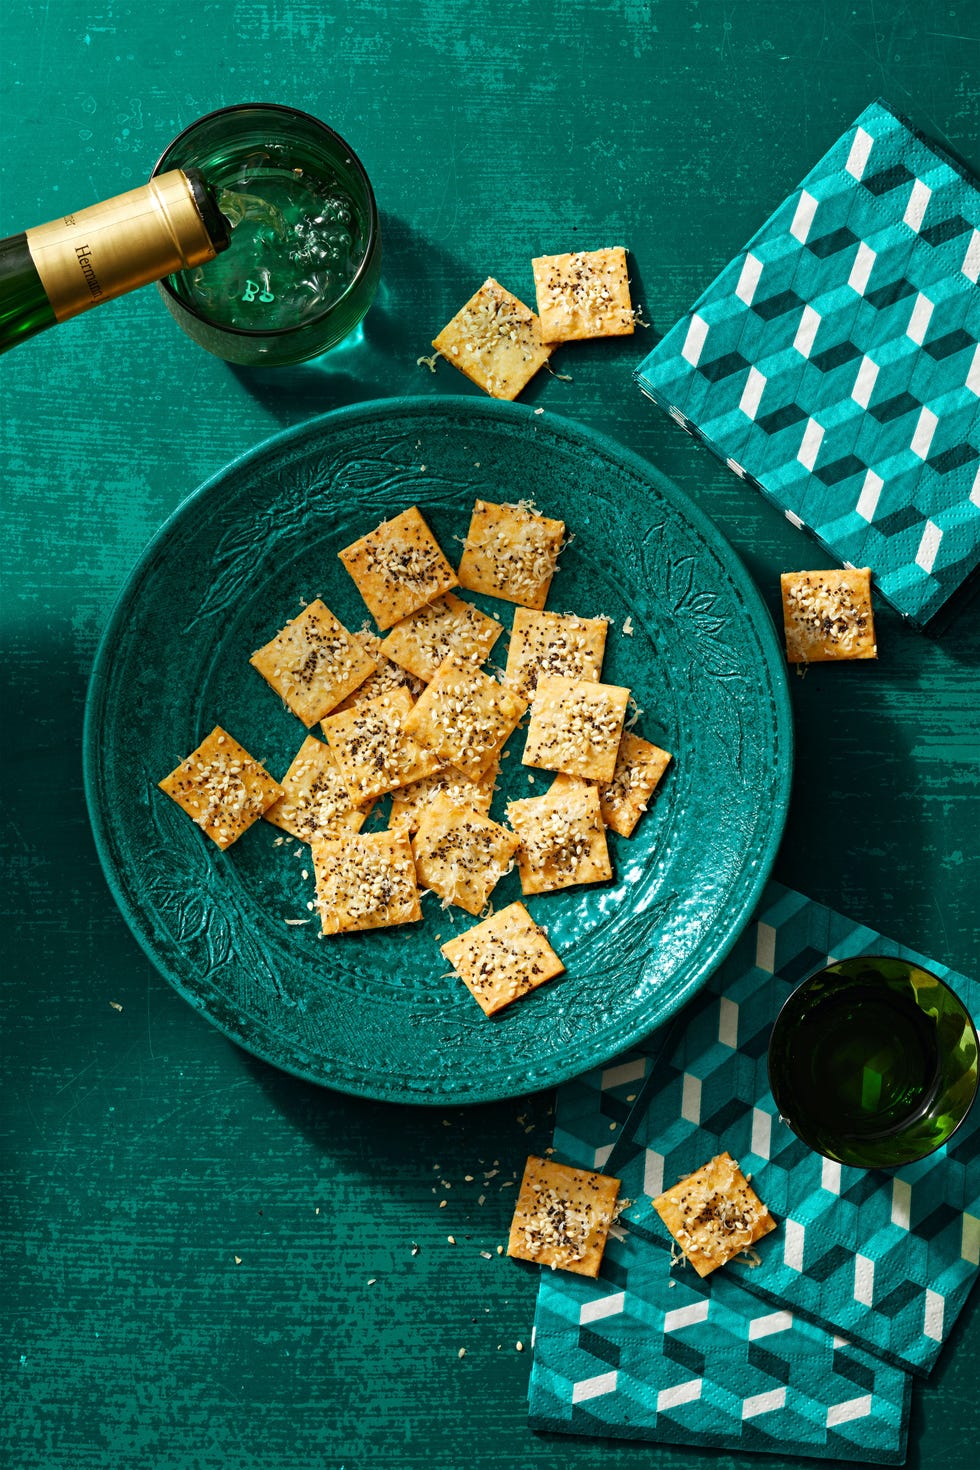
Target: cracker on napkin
[
  {"x": 365, "y": 881},
  {"x": 313, "y": 663},
  {"x": 511, "y": 552},
  {"x": 398, "y": 567},
  {"x": 495, "y": 340},
  {"x": 562, "y": 1216},
  {"x": 503, "y": 958},
  {"x": 827, "y": 615},
  {"x": 576, "y": 726},
  {"x": 585, "y": 293},
  {"x": 423, "y": 640},
  {"x": 222, "y": 788},
  {"x": 714, "y": 1214}
]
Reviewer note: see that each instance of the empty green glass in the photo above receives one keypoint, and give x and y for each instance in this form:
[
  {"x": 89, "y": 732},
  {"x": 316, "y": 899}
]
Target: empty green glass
[{"x": 873, "y": 1062}]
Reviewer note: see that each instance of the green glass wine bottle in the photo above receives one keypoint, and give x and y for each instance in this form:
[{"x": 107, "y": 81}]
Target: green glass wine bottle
[{"x": 58, "y": 270}]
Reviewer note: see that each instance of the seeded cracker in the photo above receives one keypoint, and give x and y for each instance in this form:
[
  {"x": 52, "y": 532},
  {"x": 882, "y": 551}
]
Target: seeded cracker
[
  {"x": 316, "y": 803},
  {"x": 398, "y": 567},
  {"x": 495, "y": 340},
  {"x": 827, "y": 616},
  {"x": 553, "y": 643},
  {"x": 503, "y": 958},
  {"x": 313, "y": 663},
  {"x": 464, "y": 717},
  {"x": 409, "y": 803},
  {"x": 562, "y": 1217},
  {"x": 510, "y": 552},
  {"x": 222, "y": 788},
  {"x": 562, "y": 837},
  {"x": 461, "y": 855},
  {"x": 583, "y": 294},
  {"x": 639, "y": 768},
  {"x": 576, "y": 726},
  {"x": 373, "y": 748},
  {"x": 365, "y": 881},
  {"x": 714, "y": 1214},
  {"x": 420, "y": 642},
  {"x": 387, "y": 677}
]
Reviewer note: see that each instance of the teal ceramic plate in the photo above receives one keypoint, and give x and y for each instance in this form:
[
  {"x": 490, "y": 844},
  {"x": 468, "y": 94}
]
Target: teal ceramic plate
[{"x": 376, "y": 1013}]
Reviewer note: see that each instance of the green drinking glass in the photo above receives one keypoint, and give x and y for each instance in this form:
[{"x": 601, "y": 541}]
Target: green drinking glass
[
  {"x": 305, "y": 255},
  {"x": 873, "y": 1062}
]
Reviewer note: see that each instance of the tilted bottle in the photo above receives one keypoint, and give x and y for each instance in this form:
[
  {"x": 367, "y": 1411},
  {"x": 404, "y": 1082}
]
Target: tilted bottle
[{"x": 58, "y": 270}]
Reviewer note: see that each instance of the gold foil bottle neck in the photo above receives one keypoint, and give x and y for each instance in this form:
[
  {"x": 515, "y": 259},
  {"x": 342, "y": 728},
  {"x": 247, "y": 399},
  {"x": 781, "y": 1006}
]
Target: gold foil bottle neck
[{"x": 123, "y": 243}]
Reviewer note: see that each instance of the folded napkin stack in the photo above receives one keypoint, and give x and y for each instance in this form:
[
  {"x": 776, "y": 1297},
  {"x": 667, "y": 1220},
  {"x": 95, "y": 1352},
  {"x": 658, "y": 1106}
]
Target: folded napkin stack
[
  {"x": 810, "y": 1351},
  {"x": 835, "y": 363}
]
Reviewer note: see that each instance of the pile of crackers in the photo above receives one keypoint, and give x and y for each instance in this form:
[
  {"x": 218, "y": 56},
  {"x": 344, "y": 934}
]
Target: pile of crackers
[{"x": 415, "y": 714}]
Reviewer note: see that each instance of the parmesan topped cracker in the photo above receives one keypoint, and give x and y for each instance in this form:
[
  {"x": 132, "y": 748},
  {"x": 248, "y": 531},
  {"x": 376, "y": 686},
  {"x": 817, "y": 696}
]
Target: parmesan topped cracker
[
  {"x": 387, "y": 677},
  {"x": 827, "y": 615},
  {"x": 464, "y": 717},
  {"x": 503, "y": 958},
  {"x": 315, "y": 802},
  {"x": 639, "y": 769},
  {"x": 511, "y": 552},
  {"x": 365, "y": 881},
  {"x": 222, "y": 788},
  {"x": 583, "y": 294},
  {"x": 543, "y": 643},
  {"x": 374, "y": 749},
  {"x": 576, "y": 726},
  {"x": 398, "y": 567},
  {"x": 460, "y": 854},
  {"x": 714, "y": 1214},
  {"x": 313, "y": 663},
  {"x": 562, "y": 837},
  {"x": 495, "y": 340},
  {"x": 562, "y": 1216},
  {"x": 409, "y": 803},
  {"x": 425, "y": 638}
]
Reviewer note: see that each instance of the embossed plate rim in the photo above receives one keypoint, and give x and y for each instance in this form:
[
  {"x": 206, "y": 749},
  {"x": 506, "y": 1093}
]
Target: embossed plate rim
[{"x": 709, "y": 950}]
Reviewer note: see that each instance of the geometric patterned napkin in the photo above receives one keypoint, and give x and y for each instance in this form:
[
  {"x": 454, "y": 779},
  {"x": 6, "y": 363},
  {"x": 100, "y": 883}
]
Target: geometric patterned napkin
[
  {"x": 644, "y": 1353},
  {"x": 835, "y": 362},
  {"x": 885, "y": 1258}
]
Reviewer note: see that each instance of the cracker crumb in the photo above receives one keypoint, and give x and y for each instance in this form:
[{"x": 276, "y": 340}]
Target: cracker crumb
[
  {"x": 115, "y": 1005},
  {"x": 238, "y": 1260},
  {"x": 628, "y": 627}
]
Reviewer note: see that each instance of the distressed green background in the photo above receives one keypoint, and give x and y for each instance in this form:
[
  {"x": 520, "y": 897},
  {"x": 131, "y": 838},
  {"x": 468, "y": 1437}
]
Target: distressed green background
[{"x": 142, "y": 1153}]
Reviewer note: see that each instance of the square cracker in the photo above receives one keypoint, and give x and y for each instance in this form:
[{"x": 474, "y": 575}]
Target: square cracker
[
  {"x": 365, "y": 881},
  {"x": 398, "y": 567},
  {"x": 553, "y": 643},
  {"x": 639, "y": 768},
  {"x": 409, "y": 803},
  {"x": 495, "y": 340},
  {"x": 222, "y": 788},
  {"x": 503, "y": 958},
  {"x": 387, "y": 677},
  {"x": 562, "y": 1216},
  {"x": 583, "y": 294},
  {"x": 315, "y": 803},
  {"x": 420, "y": 642},
  {"x": 313, "y": 663},
  {"x": 460, "y": 854},
  {"x": 827, "y": 615},
  {"x": 511, "y": 552},
  {"x": 464, "y": 717},
  {"x": 562, "y": 837},
  {"x": 576, "y": 726},
  {"x": 714, "y": 1214},
  {"x": 373, "y": 748}
]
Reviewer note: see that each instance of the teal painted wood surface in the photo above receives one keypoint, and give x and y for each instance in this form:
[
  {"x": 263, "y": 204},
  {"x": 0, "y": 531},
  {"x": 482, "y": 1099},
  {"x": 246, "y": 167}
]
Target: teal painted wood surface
[{"x": 141, "y": 1152}]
